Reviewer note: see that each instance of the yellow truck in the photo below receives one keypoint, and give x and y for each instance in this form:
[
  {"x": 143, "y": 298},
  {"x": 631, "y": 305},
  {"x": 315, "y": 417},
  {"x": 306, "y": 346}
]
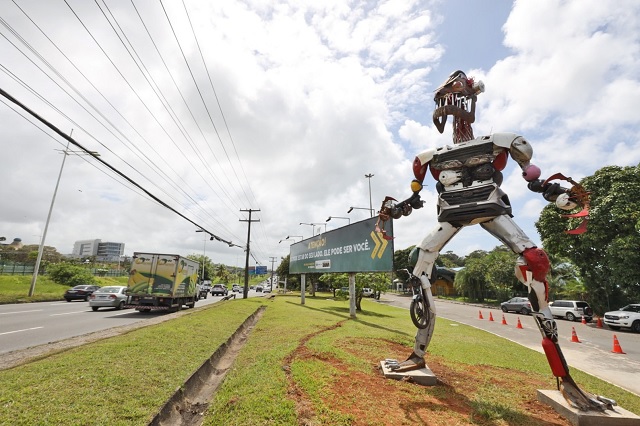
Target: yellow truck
[{"x": 162, "y": 282}]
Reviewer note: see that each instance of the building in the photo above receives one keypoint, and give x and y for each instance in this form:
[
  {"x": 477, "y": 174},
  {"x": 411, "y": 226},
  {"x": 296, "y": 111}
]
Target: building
[{"x": 106, "y": 252}]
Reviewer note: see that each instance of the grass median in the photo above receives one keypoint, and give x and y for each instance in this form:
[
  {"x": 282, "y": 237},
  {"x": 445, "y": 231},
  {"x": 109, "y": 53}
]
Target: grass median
[{"x": 302, "y": 364}]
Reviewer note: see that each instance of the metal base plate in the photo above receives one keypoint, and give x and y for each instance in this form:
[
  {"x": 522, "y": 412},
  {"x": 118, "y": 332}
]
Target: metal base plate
[
  {"x": 616, "y": 417},
  {"x": 423, "y": 376}
]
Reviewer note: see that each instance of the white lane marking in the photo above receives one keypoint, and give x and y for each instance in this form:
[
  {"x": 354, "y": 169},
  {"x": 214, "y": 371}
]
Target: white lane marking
[
  {"x": 19, "y": 331},
  {"x": 68, "y": 313},
  {"x": 20, "y": 312}
]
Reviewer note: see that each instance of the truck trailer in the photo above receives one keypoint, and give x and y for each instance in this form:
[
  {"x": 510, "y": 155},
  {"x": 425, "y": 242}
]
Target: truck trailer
[{"x": 162, "y": 282}]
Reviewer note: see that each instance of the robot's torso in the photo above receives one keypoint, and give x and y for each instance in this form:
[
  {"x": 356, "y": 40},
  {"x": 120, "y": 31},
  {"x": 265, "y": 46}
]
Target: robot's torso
[{"x": 469, "y": 176}]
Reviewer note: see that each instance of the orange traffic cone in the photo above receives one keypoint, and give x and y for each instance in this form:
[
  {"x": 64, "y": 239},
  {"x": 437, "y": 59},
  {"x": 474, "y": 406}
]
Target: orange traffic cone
[
  {"x": 480, "y": 315},
  {"x": 599, "y": 323},
  {"x": 574, "y": 336},
  {"x": 519, "y": 324},
  {"x": 490, "y": 317},
  {"x": 504, "y": 321},
  {"x": 584, "y": 321},
  {"x": 616, "y": 346}
]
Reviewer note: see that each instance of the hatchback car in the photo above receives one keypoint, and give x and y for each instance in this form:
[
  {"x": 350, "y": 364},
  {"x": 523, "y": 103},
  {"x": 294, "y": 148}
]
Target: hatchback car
[
  {"x": 219, "y": 290},
  {"x": 236, "y": 288},
  {"x": 517, "y": 304},
  {"x": 112, "y": 296},
  {"x": 627, "y": 317},
  {"x": 80, "y": 292},
  {"x": 571, "y": 310}
]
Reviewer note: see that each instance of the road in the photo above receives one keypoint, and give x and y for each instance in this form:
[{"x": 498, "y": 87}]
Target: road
[
  {"x": 593, "y": 355},
  {"x": 31, "y": 324}
]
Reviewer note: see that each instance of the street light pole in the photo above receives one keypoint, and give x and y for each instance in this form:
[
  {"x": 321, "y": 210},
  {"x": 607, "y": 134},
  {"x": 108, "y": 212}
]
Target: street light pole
[
  {"x": 204, "y": 246},
  {"x": 369, "y": 176},
  {"x": 34, "y": 278}
]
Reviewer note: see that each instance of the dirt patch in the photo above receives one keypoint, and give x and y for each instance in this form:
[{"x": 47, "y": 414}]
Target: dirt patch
[{"x": 367, "y": 398}]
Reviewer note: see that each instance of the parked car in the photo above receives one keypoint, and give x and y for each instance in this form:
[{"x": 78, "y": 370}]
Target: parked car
[
  {"x": 627, "y": 317},
  {"x": 219, "y": 290},
  {"x": 517, "y": 304},
  {"x": 113, "y": 296},
  {"x": 236, "y": 288},
  {"x": 367, "y": 292},
  {"x": 80, "y": 292},
  {"x": 571, "y": 310}
]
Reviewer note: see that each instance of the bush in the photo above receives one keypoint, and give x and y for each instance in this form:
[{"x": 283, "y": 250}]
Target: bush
[{"x": 68, "y": 274}]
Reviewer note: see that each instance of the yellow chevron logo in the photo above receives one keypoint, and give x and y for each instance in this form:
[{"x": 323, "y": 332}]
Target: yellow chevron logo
[{"x": 380, "y": 244}]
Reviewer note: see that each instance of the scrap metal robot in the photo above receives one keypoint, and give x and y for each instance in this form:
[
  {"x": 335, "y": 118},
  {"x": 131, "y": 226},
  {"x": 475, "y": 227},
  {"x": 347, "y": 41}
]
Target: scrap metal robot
[{"x": 468, "y": 178}]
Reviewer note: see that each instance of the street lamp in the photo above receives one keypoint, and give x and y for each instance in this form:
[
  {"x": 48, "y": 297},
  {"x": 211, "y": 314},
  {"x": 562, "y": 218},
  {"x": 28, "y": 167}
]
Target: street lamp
[
  {"x": 313, "y": 225},
  {"x": 204, "y": 246},
  {"x": 369, "y": 176},
  {"x": 339, "y": 217},
  {"x": 53, "y": 200},
  {"x": 290, "y": 236},
  {"x": 360, "y": 208}
]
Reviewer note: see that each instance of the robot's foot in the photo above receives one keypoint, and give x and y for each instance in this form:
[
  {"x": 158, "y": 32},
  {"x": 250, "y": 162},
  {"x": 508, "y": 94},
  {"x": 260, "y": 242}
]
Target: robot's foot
[
  {"x": 414, "y": 362},
  {"x": 582, "y": 400}
]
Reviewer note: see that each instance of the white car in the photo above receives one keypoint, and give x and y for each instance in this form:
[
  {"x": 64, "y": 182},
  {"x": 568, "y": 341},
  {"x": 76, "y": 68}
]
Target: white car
[
  {"x": 627, "y": 317},
  {"x": 367, "y": 292},
  {"x": 113, "y": 296},
  {"x": 571, "y": 310}
]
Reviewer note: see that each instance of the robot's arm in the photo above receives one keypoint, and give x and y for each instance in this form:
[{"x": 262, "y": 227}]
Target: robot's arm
[{"x": 522, "y": 152}]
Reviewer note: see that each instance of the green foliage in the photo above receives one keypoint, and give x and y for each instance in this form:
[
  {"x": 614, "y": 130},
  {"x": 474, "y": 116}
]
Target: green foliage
[
  {"x": 71, "y": 275},
  {"x": 606, "y": 255}
]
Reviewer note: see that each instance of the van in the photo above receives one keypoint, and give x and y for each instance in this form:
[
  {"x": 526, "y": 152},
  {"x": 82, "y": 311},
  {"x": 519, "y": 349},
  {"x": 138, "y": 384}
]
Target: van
[{"x": 571, "y": 310}]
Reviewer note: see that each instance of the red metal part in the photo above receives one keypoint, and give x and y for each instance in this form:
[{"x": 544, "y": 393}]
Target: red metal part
[{"x": 553, "y": 357}]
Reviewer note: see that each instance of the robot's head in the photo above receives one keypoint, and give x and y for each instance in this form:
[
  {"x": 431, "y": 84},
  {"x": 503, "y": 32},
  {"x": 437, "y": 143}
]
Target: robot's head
[{"x": 456, "y": 97}]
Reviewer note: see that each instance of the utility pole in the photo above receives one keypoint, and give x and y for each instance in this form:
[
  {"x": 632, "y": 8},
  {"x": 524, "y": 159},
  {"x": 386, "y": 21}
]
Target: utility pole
[
  {"x": 369, "y": 176},
  {"x": 245, "y": 292},
  {"x": 272, "y": 259}
]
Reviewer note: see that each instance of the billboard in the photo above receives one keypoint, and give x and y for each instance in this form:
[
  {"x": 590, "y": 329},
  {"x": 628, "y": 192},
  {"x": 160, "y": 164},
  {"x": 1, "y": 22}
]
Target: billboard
[{"x": 353, "y": 248}]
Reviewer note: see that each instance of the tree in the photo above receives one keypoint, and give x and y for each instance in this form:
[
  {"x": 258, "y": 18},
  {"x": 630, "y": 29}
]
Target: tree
[
  {"x": 606, "y": 255},
  {"x": 71, "y": 275},
  {"x": 208, "y": 265}
]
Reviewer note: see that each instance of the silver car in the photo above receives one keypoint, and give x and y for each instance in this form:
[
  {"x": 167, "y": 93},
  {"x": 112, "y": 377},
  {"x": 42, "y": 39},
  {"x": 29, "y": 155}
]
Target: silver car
[
  {"x": 109, "y": 297},
  {"x": 517, "y": 304}
]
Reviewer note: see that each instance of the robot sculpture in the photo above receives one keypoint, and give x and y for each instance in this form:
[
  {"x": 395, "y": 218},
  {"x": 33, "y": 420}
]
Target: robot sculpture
[{"x": 468, "y": 177}]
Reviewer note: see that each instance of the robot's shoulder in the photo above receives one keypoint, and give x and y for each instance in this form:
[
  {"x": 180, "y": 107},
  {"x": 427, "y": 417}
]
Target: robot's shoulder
[
  {"x": 425, "y": 156},
  {"x": 503, "y": 140}
]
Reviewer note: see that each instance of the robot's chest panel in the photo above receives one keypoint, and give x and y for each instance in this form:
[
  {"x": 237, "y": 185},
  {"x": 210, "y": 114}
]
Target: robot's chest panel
[{"x": 467, "y": 154}]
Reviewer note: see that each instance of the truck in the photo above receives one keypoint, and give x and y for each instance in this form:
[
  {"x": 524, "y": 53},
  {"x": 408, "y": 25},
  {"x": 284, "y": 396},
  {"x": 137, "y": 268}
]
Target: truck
[{"x": 162, "y": 282}]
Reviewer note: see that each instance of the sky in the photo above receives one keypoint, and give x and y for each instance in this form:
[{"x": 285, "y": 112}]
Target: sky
[{"x": 282, "y": 107}]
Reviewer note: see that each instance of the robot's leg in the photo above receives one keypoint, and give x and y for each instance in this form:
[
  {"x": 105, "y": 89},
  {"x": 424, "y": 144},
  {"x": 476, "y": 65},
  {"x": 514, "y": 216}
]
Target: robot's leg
[
  {"x": 532, "y": 268},
  {"x": 428, "y": 253}
]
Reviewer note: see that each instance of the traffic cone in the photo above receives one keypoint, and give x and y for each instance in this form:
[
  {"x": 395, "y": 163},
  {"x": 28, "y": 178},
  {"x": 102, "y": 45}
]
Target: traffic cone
[
  {"x": 480, "y": 315},
  {"x": 574, "y": 336},
  {"x": 599, "y": 323},
  {"x": 616, "y": 346},
  {"x": 490, "y": 317},
  {"x": 519, "y": 324},
  {"x": 504, "y": 321},
  {"x": 584, "y": 321}
]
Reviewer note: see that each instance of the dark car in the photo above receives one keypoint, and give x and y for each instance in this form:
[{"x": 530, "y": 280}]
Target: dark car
[
  {"x": 517, "y": 304},
  {"x": 80, "y": 292},
  {"x": 219, "y": 290}
]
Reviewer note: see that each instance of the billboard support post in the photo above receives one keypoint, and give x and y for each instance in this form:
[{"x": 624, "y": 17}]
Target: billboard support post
[
  {"x": 303, "y": 287},
  {"x": 352, "y": 295}
]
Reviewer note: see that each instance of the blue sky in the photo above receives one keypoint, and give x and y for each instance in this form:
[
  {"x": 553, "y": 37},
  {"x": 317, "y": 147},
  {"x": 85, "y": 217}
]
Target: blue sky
[{"x": 285, "y": 106}]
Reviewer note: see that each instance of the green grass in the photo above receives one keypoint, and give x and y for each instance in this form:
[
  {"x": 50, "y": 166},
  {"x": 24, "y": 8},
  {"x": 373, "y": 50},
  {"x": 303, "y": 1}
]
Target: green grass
[{"x": 124, "y": 380}]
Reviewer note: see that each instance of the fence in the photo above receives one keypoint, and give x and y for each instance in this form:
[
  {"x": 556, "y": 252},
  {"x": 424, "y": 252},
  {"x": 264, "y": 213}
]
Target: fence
[{"x": 19, "y": 268}]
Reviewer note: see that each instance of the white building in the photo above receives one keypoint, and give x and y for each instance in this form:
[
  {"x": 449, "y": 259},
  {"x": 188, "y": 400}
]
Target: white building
[{"x": 107, "y": 252}]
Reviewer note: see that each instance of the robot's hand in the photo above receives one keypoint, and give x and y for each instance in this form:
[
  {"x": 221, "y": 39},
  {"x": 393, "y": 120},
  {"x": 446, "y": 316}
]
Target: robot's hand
[{"x": 567, "y": 199}]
